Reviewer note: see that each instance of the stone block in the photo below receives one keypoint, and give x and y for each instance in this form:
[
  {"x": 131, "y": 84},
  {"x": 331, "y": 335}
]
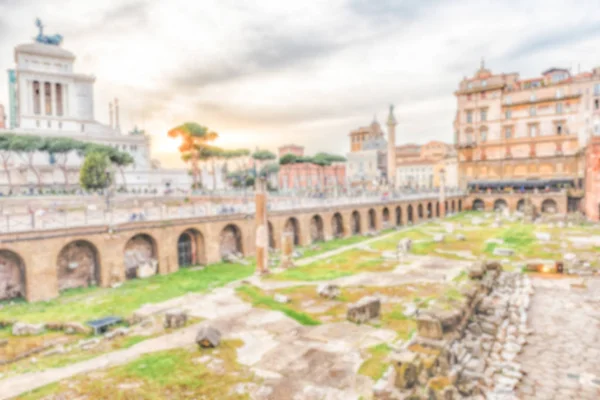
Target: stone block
[
  {"x": 438, "y": 238},
  {"x": 24, "y": 329},
  {"x": 76, "y": 327},
  {"x": 430, "y": 328},
  {"x": 208, "y": 337},
  {"x": 407, "y": 368},
  {"x": 364, "y": 310},
  {"x": 477, "y": 270},
  {"x": 280, "y": 298},
  {"x": 460, "y": 237},
  {"x": 503, "y": 252},
  {"x": 175, "y": 319},
  {"x": 328, "y": 290}
]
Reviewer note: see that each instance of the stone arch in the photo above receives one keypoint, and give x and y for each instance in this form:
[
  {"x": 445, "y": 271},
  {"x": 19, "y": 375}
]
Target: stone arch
[
  {"x": 77, "y": 265},
  {"x": 446, "y": 209},
  {"x": 385, "y": 217},
  {"x": 453, "y": 205},
  {"x": 500, "y": 204},
  {"x": 292, "y": 226},
  {"x": 478, "y": 205},
  {"x": 409, "y": 213},
  {"x": 190, "y": 248},
  {"x": 12, "y": 275},
  {"x": 355, "y": 223},
  {"x": 520, "y": 205},
  {"x": 429, "y": 210},
  {"x": 271, "y": 235},
  {"x": 141, "y": 258},
  {"x": 437, "y": 209},
  {"x": 230, "y": 241},
  {"x": 549, "y": 206},
  {"x": 337, "y": 225},
  {"x": 372, "y": 220},
  {"x": 398, "y": 216},
  {"x": 420, "y": 211},
  {"x": 316, "y": 229},
  {"x": 459, "y": 205}
]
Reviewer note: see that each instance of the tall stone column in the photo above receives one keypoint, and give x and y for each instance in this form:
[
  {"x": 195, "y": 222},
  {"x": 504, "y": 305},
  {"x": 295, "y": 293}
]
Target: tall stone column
[
  {"x": 262, "y": 229},
  {"x": 442, "y": 193}
]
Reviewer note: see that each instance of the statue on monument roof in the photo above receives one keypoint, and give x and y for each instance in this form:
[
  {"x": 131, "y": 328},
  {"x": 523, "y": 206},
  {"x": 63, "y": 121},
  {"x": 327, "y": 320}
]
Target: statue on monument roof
[{"x": 54, "y": 40}]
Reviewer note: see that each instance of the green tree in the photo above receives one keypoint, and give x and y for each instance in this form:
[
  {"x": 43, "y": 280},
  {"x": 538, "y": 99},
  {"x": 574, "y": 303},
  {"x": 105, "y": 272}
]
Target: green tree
[
  {"x": 61, "y": 148},
  {"x": 26, "y": 146},
  {"x": 263, "y": 155},
  {"x": 93, "y": 174},
  {"x": 6, "y": 156},
  {"x": 122, "y": 159},
  {"x": 288, "y": 159},
  {"x": 194, "y": 138}
]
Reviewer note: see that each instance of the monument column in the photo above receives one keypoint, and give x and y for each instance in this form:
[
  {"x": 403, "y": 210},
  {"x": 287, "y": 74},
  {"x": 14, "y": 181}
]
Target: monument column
[
  {"x": 391, "y": 150},
  {"x": 442, "y": 199},
  {"x": 53, "y": 98},
  {"x": 262, "y": 231}
]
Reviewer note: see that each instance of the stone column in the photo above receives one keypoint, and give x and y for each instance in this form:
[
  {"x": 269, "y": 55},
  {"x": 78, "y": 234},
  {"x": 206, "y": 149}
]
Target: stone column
[
  {"x": 262, "y": 231},
  {"x": 53, "y": 97},
  {"x": 442, "y": 193},
  {"x": 287, "y": 249}
]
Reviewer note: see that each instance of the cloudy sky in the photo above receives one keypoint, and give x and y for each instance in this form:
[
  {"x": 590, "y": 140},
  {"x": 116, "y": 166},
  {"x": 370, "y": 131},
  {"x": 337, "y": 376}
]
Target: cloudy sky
[{"x": 265, "y": 73}]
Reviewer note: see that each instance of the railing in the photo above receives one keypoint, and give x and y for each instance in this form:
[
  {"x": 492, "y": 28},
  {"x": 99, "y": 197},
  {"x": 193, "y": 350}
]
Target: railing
[{"x": 45, "y": 219}]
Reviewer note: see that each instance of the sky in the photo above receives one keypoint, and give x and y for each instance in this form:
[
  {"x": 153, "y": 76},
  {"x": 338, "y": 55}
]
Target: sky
[{"x": 265, "y": 73}]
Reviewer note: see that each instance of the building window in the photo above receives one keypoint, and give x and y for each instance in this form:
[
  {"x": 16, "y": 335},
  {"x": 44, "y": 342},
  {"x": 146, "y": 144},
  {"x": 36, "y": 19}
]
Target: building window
[
  {"x": 483, "y": 95},
  {"x": 532, "y": 111},
  {"x": 36, "y": 98},
  {"x": 59, "y": 125},
  {"x": 532, "y": 97},
  {"x": 82, "y": 127},
  {"x": 484, "y": 83},
  {"x": 483, "y": 135},
  {"x": 508, "y": 114},
  {"x": 597, "y": 89},
  {"x": 469, "y": 85},
  {"x": 48, "y": 98},
  {"x": 532, "y": 130},
  {"x": 508, "y": 132},
  {"x": 484, "y": 115},
  {"x": 37, "y": 123},
  {"x": 596, "y": 104},
  {"x": 49, "y": 124},
  {"x": 559, "y": 94},
  {"x": 59, "y": 100},
  {"x": 469, "y": 117},
  {"x": 559, "y": 128},
  {"x": 507, "y": 100},
  {"x": 559, "y": 108}
]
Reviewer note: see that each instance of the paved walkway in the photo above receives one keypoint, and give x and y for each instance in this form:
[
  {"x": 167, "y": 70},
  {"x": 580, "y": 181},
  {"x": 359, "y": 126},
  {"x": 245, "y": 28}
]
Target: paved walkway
[{"x": 562, "y": 358}]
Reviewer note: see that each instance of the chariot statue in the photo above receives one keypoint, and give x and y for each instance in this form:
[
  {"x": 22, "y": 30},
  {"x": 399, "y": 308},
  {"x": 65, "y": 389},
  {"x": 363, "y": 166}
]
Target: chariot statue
[{"x": 55, "y": 40}]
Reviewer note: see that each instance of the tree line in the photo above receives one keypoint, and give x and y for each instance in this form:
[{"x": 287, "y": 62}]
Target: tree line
[{"x": 93, "y": 174}]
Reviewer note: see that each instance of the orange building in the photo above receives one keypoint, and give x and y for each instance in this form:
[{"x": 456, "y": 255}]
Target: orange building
[
  {"x": 296, "y": 150},
  {"x": 524, "y": 134},
  {"x": 312, "y": 177},
  {"x": 359, "y": 136}
]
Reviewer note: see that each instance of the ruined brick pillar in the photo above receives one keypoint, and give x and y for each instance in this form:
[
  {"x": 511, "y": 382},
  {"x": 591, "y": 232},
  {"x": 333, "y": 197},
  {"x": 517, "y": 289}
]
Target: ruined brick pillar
[
  {"x": 262, "y": 231},
  {"x": 287, "y": 249}
]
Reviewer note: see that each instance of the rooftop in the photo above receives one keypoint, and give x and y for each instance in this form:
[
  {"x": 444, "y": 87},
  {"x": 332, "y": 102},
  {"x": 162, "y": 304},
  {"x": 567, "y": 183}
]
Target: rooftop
[{"x": 47, "y": 50}]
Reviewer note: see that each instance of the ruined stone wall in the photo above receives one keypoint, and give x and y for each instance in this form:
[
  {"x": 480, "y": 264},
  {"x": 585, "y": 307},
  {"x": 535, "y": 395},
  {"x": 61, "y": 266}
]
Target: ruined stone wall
[
  {"x": 316, "y": 229},
  {"x": 337, "y": 226},
  {"x": 12, "y": 271},
  {"x": 77, "y": 266},
  {"x": 291, "y": 226},
  {"x": 355, "y": 224},
  {"x": 231, "y": 241},
  {"x": 139, "y": 252}
]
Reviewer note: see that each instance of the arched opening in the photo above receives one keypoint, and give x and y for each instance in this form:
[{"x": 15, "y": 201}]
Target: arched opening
[
  {"x": 77, "y": 265},
  {"x": 453, "y": 206},
  {"x": 398, "y": 216},
  {"x": 372, "y": 220},
  {"x": 460, "y": 205},
  {"x": 446, "y": 209},
  {"x": 478, "y": 205},
  {"x": 549, "y": 206},
  {"x": 500, "y": 205},
  {"x": 409, "y": 212},
  {"x": 420, "y": 211},
  {"x": 437, "y": 209},
  {"x": 337, "y": 225},
  {"x": 271, "y": 235},
  {"x": 385, "y": 217},
  {"x": 190, "y": 248},
  {"x": 521, "y": 205},
  {"x": 292, "y": 226},
  {"x": 316, "y": 229},
  {"x": 230, "y": 241},
  {"x": 12, "y": 275},
  {"x": 355, "y": 224},
  {"x": 141, "y": 258},
  {"x": 429, "y": 210}
]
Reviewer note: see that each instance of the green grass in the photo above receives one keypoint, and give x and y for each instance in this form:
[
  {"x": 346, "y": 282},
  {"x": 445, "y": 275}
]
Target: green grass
[
  {"x": 169, "y": 374},
  {"x": 260, "y": 300},
  {"x": 333, "y": 244},
  {"x": 82, "y": 305},
  {"x": 375, "y": 366}
]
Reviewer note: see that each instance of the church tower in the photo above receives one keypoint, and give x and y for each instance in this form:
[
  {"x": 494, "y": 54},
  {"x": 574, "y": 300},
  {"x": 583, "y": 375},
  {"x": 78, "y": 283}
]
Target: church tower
[{"x": 391, "y": 152}]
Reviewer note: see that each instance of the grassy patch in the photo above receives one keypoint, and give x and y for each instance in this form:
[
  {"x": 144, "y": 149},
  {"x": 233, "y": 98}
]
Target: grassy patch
[
  {"x": 375, "y": 366},
  {"x": 85, "y": 304},
  {"x": 333, "y": 244},
  {"x": 258, "y": 299},
  {"x": 170, "y": 374}
]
